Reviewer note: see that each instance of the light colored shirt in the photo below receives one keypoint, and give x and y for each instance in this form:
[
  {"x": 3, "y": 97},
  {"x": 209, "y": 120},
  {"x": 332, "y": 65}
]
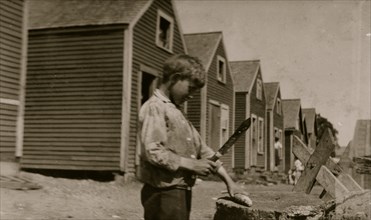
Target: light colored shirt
[
  {"x": 278, "y": 147},
  {"x": 166, "y": 136},
  {"x": 298, "y": 165}
]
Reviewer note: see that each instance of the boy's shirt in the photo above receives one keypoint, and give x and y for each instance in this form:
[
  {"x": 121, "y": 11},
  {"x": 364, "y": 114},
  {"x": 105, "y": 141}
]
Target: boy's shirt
[{"x": 166, "y": 136}]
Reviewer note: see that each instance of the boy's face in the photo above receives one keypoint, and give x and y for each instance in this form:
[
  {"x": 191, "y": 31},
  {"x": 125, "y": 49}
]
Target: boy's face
[{"x": 182, "y": 91}]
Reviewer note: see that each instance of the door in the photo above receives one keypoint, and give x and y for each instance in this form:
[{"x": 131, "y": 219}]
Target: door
[
  {"x": 148, "y": 86},
  {"x": 254, "y": 140},
  {"x": 214, "y": 127}
]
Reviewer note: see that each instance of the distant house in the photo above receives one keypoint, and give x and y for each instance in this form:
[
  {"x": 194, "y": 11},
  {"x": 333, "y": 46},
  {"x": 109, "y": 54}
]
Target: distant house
[
  {"x": 293, "y": 124},
  {"x": 13, "y": 40},
  {"x": 360, "y": 146},
  {"x": 91, "y": 66},
  {"x": 311, "y": 122},
  {"x": 250, "y": 102},
  {"x": 274, "y": 122},
  {"x": 211, "y": 110}
]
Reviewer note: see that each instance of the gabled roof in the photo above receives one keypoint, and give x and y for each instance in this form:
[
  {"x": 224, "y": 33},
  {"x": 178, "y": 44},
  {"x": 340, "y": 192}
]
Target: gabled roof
[
  {"x": 291, "y": 110},
  {"x": 66, "y": 13},
  {"x": 244, "y": 74},
  {"x": 203, "y": 46},
  {"x": 271, "y": 91},
  {"x": 310, "y": 116}
]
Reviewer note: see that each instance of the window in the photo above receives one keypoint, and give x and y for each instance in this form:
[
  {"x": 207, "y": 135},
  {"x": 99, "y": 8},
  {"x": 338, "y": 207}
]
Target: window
[
  {"x": 221, "y": 69},
  {"x": 261, "y": 136},
  {"x": 278, "y": 106},
  {"x": 259, "y": 90},
  {"x": 164, "y": 32}
]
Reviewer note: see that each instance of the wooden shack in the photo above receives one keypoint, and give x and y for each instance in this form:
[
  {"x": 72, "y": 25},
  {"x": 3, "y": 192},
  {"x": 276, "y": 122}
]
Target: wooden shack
[
  {"x": 274, "y": 123},
  {"x": 250, "y": 149},
  {"x": 90, "y": 64},
  {"x": 211, "y": 110},
  {"x": 13, "y": 40}
]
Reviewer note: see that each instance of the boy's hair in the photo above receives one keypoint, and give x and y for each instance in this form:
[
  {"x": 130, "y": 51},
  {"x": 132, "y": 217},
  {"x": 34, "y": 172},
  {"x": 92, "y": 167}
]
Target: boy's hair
[{"x": 187, "y": 67}]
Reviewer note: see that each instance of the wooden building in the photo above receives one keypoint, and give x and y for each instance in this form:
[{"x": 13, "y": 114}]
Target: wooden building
[
  {"x": 274, "y": 122},
  {"x": 211, "y": 110},
  {"x": 311, "y": 122},
  {"x": 250, "y": 150},
  {"x": 13, "y": 40},
  {"x": 359, "y": 147},
  {"x": 293, "y": 124},
  {"x": 92, "y": 63}
]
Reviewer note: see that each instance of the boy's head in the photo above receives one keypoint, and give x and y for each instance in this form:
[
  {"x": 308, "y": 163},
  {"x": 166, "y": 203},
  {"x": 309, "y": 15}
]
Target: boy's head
[{"x": 182, "y": 67}]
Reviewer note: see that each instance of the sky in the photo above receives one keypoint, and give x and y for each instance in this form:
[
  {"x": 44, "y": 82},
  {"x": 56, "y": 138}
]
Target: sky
[{"x": 319, "y": 51}]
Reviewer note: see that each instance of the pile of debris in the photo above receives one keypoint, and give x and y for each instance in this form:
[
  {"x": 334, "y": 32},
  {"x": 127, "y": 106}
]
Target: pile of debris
[{"x": 260, "y": 177}]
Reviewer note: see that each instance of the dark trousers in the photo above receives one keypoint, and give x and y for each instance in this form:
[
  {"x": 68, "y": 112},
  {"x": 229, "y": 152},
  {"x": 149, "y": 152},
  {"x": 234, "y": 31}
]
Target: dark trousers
[{"x": 166, "y": 204}]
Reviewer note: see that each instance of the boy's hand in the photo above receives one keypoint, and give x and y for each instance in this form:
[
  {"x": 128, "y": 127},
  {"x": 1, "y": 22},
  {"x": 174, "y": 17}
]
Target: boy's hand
[{"x": 200, "y": 167}]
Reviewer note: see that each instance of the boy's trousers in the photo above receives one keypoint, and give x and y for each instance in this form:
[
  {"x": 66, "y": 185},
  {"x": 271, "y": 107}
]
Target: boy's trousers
[{"x": 166, "y": 204}]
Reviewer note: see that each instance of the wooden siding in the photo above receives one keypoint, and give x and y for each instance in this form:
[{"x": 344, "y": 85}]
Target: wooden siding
[
  {"x": 11, "y": 28},
  {"x": 278, "y": 123},
  {"x": 258, "y": 108},
  {"x": 145, "y": 51},
  {"x": 222, "y": 93},
  {"x": 194, "y": 110},
  {"x": 239, "y": 147},
  {"x": 73, "y": 98},
  {"x": 8, "y": 117}
]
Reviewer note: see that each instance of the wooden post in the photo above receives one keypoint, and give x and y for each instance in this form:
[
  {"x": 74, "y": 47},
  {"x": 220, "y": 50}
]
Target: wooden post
[
  {"x": 332, "y": 185},
  {"x": 315, "y": 162},
  {"x": 327, "y": 177}
]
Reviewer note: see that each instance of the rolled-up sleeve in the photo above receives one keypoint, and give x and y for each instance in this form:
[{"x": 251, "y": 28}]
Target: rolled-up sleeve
[{"x": 153, "y": 137}]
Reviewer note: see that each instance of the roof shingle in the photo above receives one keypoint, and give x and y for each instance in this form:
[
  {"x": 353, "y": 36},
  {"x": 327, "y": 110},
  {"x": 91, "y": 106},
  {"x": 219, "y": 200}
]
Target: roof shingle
[
  {"x": 67, "y": 13},
  {"x": 271, "y": 90},
  {"x": 244, "y": 74},
  {"x": 291, "y": 110},
  {"x": 203, "y": 46}
]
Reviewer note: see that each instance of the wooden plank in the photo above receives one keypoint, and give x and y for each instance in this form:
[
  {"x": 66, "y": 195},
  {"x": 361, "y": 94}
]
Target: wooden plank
[
  {"x": 301, "y": 151},
  {"x": 314, "y": 163},
  {"x": 331, "y": 184},
  {"x": 349, "y": 183}
]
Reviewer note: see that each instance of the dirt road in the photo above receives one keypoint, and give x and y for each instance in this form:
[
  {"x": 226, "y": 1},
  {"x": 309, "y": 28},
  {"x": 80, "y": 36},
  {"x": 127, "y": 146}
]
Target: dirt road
[{"x": 61, "y": 198}]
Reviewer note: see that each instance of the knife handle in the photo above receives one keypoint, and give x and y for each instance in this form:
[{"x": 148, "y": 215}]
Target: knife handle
[{"x": 215, "y": 157}]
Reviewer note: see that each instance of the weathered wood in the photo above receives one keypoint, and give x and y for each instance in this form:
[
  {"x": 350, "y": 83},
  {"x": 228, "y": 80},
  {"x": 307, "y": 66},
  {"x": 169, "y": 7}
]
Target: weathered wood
[
  {"x": 362, "y": 165},
  {"x": 303, "y": 153},
  {"x": 349, "y": 182},
  {"x": 331, "y": 184},
  {"x": 314, "y": 163}
]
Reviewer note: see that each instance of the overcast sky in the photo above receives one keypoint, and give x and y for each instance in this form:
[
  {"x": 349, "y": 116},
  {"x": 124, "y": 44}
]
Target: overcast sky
[{"x": 319, "y": 51}]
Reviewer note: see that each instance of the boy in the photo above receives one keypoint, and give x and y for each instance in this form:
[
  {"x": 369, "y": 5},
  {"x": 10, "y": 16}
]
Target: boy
[{"x": 173, "y": 152}]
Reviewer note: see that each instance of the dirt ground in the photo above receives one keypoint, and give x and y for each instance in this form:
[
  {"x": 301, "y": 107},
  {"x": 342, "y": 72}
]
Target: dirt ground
[{"x": 62, "y": 198}]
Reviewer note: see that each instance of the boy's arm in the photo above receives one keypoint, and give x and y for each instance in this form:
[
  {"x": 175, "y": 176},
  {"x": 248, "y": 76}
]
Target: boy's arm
[
  {"x": 238, "y": 194},
  {"x": 231, "y": 185}
]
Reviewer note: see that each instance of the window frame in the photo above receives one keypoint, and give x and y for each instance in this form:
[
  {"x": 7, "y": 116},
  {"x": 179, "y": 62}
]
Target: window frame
[
  {"x": 223, "y": 78},
  {"x": 162, "y": 14}
]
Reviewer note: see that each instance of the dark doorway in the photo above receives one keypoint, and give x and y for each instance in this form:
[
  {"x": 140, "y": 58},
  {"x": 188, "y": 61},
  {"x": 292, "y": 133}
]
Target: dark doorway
[{"x": 149, "y": 84}]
